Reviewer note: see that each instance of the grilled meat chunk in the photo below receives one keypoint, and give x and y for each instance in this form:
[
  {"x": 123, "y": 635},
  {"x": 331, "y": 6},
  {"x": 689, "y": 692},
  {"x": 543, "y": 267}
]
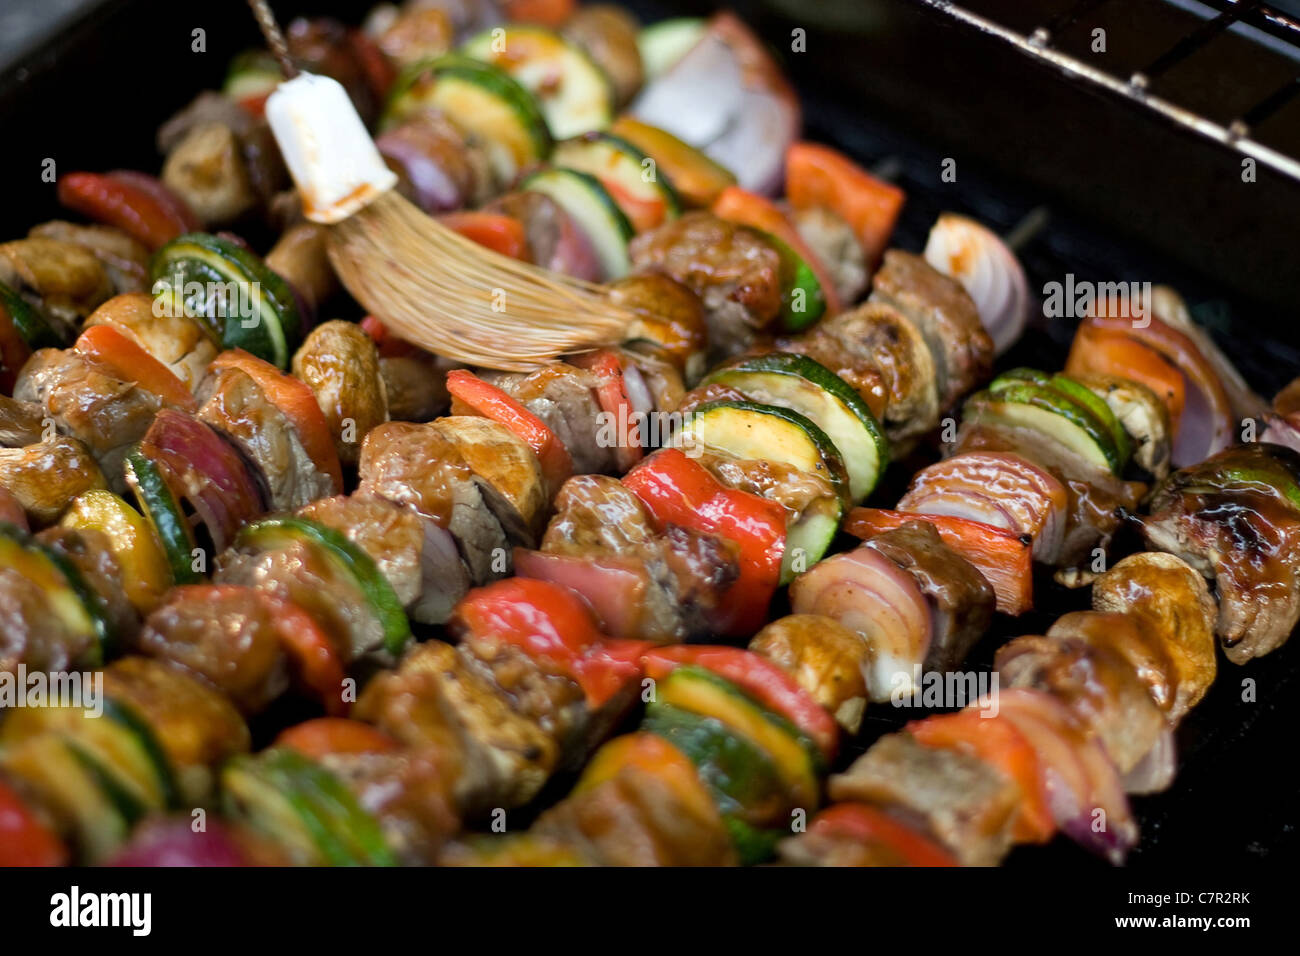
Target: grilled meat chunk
[
  {"x": 884, "y": 356},
  {"x": 63, "y": 278},
  {"x": 124, "y": 258},
  {"x": 683, "y": 572},
  {"x": 415, "y": 386},
  {"x": 340, "y": 364},
  {"x": 44, "y": 478},
  {"x": 608, "y": 34},
  {"x": 945, "y": 314},
  {"x": 562, "y": 396},
  {"x": 228, "y": 638},
  {"x": 961, "y": 601},
  {"x": 1236, "y": 519},
  {"x": 734, "y": 271},
  {"x": 21, "y": 423},
  {"x": 506, "y": 470},
  {"x": 1168, "y": 599},
  {"x": 435, "y": 696},
  {"x": 235, "y": 405},
  {"x": 668, "y": 314},
  {"x": 31, "y": 633},
  {"x": 417, "y": 466},
  {"x": 966, "y": 804},
  {"x": 89, "y": 403},
  {"x": 416, "y": 555}
]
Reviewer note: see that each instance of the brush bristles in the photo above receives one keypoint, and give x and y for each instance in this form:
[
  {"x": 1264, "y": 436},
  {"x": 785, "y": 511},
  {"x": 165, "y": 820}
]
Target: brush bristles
[{"x": 445, "y": 293}]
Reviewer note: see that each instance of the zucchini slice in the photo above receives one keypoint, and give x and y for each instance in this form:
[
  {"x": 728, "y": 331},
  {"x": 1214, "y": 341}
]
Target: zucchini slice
[
  {"x": 279, "y": 531},
  {"x": 252, "y": 74},
  {"x": 1082, "y": 396},
  {"x": 810, "y": 535},
  {"x": 695, "y": 176},
  {"x": 215, "y": 277},
  {"x": 1051, "y": 414},
  {"x": 480, "y": 100},
  {"x": 574, "y": 93},
  {"x": 63, "y": 784},
  {"x": 742, "y": 778},
  {"x": 30, "y": 325},
  {"x": 164, "y": 514},
  {"x": 754, "y": 430},
  {"x": 593, "y": 209},
  {"x": 67, "y": 595},
  {"x": 803, "y": 301},
  {"x": 122, "y": 747},
  {"x": 304, "y": 808},
  {"x": 814, "y": 391},
  {"x": 796, "y": 758},
  {"x": 664, "y": 43},
  {"x": 637, "y": 186}
]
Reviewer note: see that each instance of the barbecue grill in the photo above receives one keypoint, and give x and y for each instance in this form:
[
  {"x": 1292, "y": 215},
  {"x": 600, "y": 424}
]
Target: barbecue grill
[{"x": 1167, "y": 152}]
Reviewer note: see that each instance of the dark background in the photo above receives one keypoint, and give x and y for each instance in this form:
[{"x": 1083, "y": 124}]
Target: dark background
[{"x": 1128, "y": 198}]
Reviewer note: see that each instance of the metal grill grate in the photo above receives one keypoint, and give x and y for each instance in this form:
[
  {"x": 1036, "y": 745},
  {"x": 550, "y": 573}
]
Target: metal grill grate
[{"x": 1266, "y": 25}]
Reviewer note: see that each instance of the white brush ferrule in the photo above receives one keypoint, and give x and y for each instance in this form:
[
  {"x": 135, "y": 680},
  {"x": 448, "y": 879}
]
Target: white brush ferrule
[{"x": 330, "y": 155}]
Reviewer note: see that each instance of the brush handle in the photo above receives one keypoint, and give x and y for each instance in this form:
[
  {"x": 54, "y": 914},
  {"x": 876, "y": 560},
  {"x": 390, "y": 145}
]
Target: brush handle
[
  {"x": 330, "y": 155},
  {"x": 266, "y": 22}
]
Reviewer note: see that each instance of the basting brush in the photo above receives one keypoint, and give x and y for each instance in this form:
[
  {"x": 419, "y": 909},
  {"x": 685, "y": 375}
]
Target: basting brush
[{"x": 428, "y": 284}]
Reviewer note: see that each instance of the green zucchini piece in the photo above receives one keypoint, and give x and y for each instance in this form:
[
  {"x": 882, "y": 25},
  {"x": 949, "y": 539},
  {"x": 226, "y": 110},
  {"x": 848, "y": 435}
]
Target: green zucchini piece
[
  {"x": 574, "y": 93},
  {"x": 613, "y": 160},
  {"x": 482, "y": 101},
  {"x": 230, "y": 277},
  {"x": 33, "y": 327},
  {"x": 803, "y": 301},
  {"x": 810, "y": 536},
  {"x": 120, "y": 744},
  {"x": 304, "y": 808},
  {"x": 1050, "y": 413},
  {"x": 590, "y": 205},
  {"x": 814, "y": 391},
  {"x": 742, "y": 778},
  {"x": 281, "y": 530},
  {"x": 252, "y": 73},
  {"x": 164, "y": 514},
  {"x": 796, "y": 758},
  {"x": 1087, "y": 400},
  {"x": 128, "y": 804},
  {"x": 62, "y": 782},
  {"x": 753, "y": 430}
]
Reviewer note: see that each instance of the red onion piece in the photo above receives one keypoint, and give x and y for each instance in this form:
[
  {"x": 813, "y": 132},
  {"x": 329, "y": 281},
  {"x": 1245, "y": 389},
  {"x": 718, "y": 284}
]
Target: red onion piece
[
  {"x": 997, "y": 488},
  {"x": 175, "y": 843},
  {"x": 988, "y": 269},
  {"x": 202, "y": 468},
  {"x": 613, "y": 589},
  {"x": 869, "y": 594}
]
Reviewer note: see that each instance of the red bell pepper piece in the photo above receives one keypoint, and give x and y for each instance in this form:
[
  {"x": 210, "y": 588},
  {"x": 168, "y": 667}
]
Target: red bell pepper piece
[
  {"x": 335, "y": 735},
  {"x": 758, "y": 212},
  {"x": 817, "y": 175},
  {"x": 867, "y": 824},
  {"x": 997, "y": 742},
  {"x": 478, "y": 397},
  {"x": 24, "y": 839},
  {"x": 315, "y": 661},
  {"x": 551, "y": 13},
  {"x": 1002, "y": 557},
  {"x": 503, "y": 234},
  {"x": 552, "y": 626},
  {"x": 611, "y": 393},
  {"x": 133, "y": 202},
  {"x": 128, "y": 361},
  {"x": 680, "y": 491},
  {"x": 767, "y": 683}
]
